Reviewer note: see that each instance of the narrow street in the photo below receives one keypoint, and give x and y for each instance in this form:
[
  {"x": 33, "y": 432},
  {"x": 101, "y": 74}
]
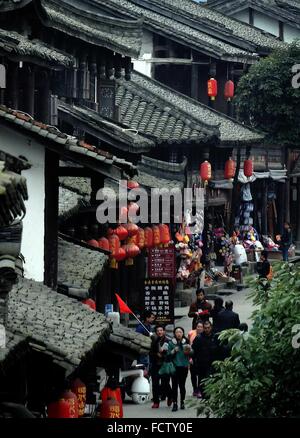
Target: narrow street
[{"x": 243, "y": 307}]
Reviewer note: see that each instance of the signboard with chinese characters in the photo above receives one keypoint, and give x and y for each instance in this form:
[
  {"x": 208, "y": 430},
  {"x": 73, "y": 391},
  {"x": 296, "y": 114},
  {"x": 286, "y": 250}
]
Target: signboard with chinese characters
[
  {"x": 161, "y": 263},
  {"x": 159, "y": 299}
]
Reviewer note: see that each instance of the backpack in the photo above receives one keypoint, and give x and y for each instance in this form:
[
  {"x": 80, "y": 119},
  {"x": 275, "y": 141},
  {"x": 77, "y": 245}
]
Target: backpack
[{"x": 270, "y": 274}]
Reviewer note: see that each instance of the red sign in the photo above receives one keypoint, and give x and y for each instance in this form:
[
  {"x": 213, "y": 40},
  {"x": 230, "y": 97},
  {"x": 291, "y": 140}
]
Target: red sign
[{"x": 161, "y": 263}]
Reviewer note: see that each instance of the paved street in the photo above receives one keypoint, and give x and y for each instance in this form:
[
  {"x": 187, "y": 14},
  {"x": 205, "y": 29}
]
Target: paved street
[{"x": 241, "y": 305}]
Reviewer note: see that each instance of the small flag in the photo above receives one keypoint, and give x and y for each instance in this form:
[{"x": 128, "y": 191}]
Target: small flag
[{"x": 122, "y": 305}]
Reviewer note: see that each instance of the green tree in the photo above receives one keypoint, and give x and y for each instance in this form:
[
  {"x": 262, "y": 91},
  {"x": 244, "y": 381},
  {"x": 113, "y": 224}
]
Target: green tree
[
  {"x": 266, "y": 99},
  {"x": 261, "y": 378}
]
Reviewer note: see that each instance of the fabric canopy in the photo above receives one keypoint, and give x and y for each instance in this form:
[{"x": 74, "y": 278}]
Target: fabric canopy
[{"x": 277, "y": 175}]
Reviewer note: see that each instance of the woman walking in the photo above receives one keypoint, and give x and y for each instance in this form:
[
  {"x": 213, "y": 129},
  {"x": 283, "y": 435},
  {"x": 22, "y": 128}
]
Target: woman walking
[
  {"x": 193, "y": 370},
  {"x": 179, "y": 351}
]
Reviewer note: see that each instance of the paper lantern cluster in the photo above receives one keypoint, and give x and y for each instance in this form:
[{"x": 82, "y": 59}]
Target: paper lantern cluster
[
  {"x": 71, "y": 403},
  {"x": 212, "y": 89}
]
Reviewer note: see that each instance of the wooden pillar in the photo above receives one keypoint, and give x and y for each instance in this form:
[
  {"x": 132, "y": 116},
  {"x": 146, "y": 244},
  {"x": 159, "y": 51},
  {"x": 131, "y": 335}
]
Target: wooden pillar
[
  {"x": 44, "y": 99},
  {"x": 194, "y": 80},
  {"x": 13, "y": 81},
  {"x": 28, "y": 103},
  {"x": 51, "y": 218}
]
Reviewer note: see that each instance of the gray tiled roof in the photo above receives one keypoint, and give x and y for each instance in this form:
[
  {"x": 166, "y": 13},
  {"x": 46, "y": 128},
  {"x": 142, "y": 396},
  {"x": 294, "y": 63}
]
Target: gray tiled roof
[
  {"x": 13, "y": 193},
  {"x": 9, "y": 5},
  {"x": 151, "y": 181},
  {"x": 134, "y": 97},
  {"x": 67, "y": 142},
  {"x": 16, "y": 44},
  {"x": 84, "y": 21},
  {"x": 197, "y": 27},
  {"x": 128, "y": 338},
  {"x": 154, "y": 114},
  {"x": 57, "y": 325},
  {"x": 69, "y": 203},
  {"x": 287, "y": 11},
  {"x": 79, "y": 267},
  {"x": 116, "y": 131},
  {"x": 77, "y": 184},
  {"x": 16, "y": 347}
]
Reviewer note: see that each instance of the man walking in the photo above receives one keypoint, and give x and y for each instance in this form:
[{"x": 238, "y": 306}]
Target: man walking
[
  {"x": 146, "y": 330},
  {"x": 227, "y": 318},
  {"x": 200, "y": 309},
  {"x": 286, "y": 241},
  {"x": 160, "y": 383}
]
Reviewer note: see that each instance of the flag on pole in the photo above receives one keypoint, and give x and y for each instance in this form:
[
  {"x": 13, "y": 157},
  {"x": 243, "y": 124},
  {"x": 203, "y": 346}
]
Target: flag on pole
[{"x": 123, "y": 306}]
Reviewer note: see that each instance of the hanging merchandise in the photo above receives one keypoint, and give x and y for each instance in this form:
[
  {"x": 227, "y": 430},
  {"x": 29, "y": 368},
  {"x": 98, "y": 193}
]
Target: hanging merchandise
[
  {"x": 148, "y": 237},
  {"x": 114, "y": 245},
  {"x": 164, "y": 234},
  {"x": 140, "y": 238},
  {"x": 246, "y": 193},
  {"x": 156, "y": 235}
]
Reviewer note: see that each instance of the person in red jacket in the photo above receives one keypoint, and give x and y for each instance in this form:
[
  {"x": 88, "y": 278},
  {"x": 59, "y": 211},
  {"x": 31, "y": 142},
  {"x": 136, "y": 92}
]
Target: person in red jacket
[{"x": 200, "y": 309}]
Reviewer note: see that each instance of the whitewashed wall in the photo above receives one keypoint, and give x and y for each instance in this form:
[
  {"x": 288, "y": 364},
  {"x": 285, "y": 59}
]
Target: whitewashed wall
[
  {"x": 33, "y": 223},
  {"x": 141, "y": 64},
  {"x": 290, "y": 33},
  {"x": 266, "y": 23},
  {"x": 242, "y": 16}
]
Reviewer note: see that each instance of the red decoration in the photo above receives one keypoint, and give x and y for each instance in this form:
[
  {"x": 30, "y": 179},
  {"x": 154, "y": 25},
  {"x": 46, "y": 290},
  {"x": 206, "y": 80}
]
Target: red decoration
[
  {"x": 248, "y": 168},
  {"x": 114, "y": 245},
  {"x": 229, "y": 169},
  {"x": 123, "y": 215},
  {"x": 79, "y": 389},
  {"x": 110, "y": 408},
  {"x": 148, "y": 237},
  {"x": 132, "y": 210},
  {"x": 156, "y": 235},
  {"x": 140, "y": 238},
  {"x": 212, "y": 88},
  {"x": 59, "y": 409},
  {"x": 93, "y": 242},
  {"x": 120, "y": 255},
  {"x": 90, "y": 303},
  {"x": 123, "y": 308},
  {"x": 132, "y": 251},
  {"x": 71, "y": 398},
  {"x": 132, "y": 184},
  {"x": 110, "y": 232},
  {"x": 103, "y": 243},
  {"x": 164, "y": 234},
  {"x": 229, "y": 90},
  {"x": 205, "y": 171},
  {"x": 121, "y": 232},
  {"x": 107, "y": 393},
  {"x": 132, "y": 229}
]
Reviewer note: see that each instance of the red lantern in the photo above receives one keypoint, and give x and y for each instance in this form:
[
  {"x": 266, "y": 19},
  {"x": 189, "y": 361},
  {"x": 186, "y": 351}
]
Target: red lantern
[
  {"x": 110, "y": 408},
  {"x": 121, "y": 232},
  {"x": 156, "y": 235},
  {"x": 132, "y": 210},
  {"x": 212, "y": 88},
  {"x": 93, "y": 242},
  {"x": 205, "y": 171},
  {"x": 103, "y": 243},
  {"x": 229, "y": 90},
  {"x": 229, "y": 169},
  {"x": 132, "y": 229},
  {"x": 90, "y": 303},
  {"x": 132, "y": 251},
  {"x": 59, "y": 409},
  {"x": 140, "y": 241},
  {"x": 114, "y": 245},
  {"x": 123, "y": 215},
  {"x": 71, "y": 398},
  {"x": 120, "y": 255},
  {"x": 132, "y": 185},
  {"x": 79, "y": 389},
  {"x": 164, "y": 234},
  {"x": 148, "y": 237},
  {"x": 248, "y": 168},
  {"x": 116, "y": 394},
  {"x": 133, "y": 239},
  {"x": 110, "y": 232}
]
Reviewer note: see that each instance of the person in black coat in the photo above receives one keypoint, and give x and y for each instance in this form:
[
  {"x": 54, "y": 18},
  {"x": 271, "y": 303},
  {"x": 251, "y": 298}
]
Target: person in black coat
[
  {"x": 227, "y": 319},
  {"x": 263, "y": 266},
  {"x": 218, "y": 307},
  {"x": 286, "y": 241},
  {"x": 204, "y": 354}
]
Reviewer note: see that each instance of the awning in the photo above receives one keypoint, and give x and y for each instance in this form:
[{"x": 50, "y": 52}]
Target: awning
[
  {"x": 221, "y": 184},
  {"x": 277, "y": 175}
]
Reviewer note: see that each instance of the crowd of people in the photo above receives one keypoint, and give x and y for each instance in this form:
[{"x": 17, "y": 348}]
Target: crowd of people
[{"x": 172, "y": 359}]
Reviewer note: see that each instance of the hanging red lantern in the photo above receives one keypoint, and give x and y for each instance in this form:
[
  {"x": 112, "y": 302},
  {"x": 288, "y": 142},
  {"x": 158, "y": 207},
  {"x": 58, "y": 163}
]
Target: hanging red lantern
[
  {"x": 114, "y": 245},
  {"x": 90, "y": 303},
  {"x": 148, "y": 237},
  {"x": 132, "y": 251},
  {"x": 107, "y": 393},
  {"x": 110, "y": 232},
  {"x": 164, "y": 234},
  {"x": 132, "y": 184},
  {"x": 229, "y": 169},
  {"x": 248, "y": 168},
  {"x": 133, "y": 208},
  {"x": 140, "y": 238},
  {"x": 132, "y": 229},
  {"x": 110, "y": 408},
  {"x": 120, "y": 255},
  {"x": 71, "y": 398},
  {"x": 212, "y": 88},
  {"x": 205, "y": 171},
  {"x": 133, "y": 239},
  {"x": 123, "y": 215},
  {"x": 59, "y": 409},
  {"x": 93, "y": 242},
  {"x": 79, "y": 389},
  {"x": 103, "y": 243},
  {"x": 121, "y": 232},
  {"x": 156, "y": 235},
  {"x": 229, "y": 90}
]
